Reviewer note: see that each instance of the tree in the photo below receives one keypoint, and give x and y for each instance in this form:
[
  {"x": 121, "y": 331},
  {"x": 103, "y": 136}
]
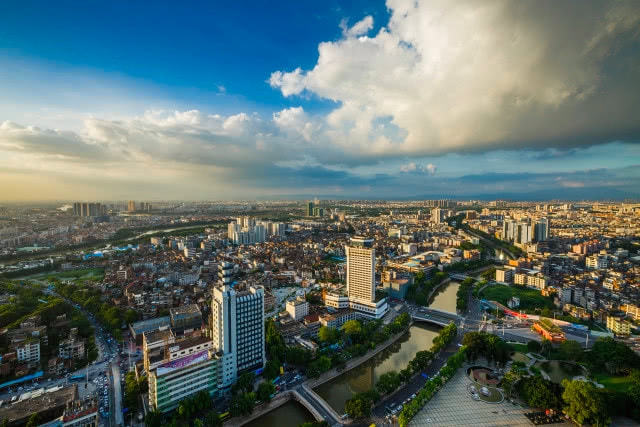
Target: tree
[
  {"x": 420, "y": 361},
  {"x": 546, "y": 347},
  {"x": 153, "y": 419},
  {"x": 352, "y": 328},
  {"x": 272, "y": 368},
  {"x": 328, "y": 335},
  {"x": 244, "y": 383},
  {"x": 634, "y": 389},
  {"x": 534, "y": 346},
  {"x": 540, "y": 393},
  {"x": 242, "y": 404},
  {"x": 583, "y": 403},
  {"x": 612, "y": 356},
  {"x": 571, "y": 350},
  {"x": 388, "y": 382},
  {"x": 33, "y": 421},
  {"x": 358, "y": 407},
  {"x": 265, "y": 390},
  {"x": 212, "y": 419}
]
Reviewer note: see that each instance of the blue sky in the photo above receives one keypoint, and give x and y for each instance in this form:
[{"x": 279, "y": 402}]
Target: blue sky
[{"x": 277, "y": 99}]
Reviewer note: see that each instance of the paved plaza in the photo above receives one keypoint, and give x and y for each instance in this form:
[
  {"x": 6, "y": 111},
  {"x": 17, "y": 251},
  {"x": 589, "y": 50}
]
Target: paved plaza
[{"x": 452, "y": 406}]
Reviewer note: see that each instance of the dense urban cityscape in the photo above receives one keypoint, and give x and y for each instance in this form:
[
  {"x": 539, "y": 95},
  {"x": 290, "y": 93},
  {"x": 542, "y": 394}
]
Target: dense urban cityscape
[
  {"x": 244, "y": 313},
  {"x": 336, "y": 213}
]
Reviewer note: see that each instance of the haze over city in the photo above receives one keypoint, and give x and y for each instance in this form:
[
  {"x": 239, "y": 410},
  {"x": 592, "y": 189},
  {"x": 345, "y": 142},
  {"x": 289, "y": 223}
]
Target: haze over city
[{"x": 361, "y": 99}]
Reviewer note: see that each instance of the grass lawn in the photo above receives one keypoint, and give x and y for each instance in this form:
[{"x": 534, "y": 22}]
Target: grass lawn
[
  {"x": 522, "y": 348},
  {"x": 621, "y": 384},
  {"x": 529, "y": 298}
]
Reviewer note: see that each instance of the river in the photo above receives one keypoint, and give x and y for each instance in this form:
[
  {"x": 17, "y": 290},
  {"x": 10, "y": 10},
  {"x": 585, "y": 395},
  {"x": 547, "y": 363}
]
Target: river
[
  {"x": 291, "y": 414},
  {"x": 362, "y": 378}
]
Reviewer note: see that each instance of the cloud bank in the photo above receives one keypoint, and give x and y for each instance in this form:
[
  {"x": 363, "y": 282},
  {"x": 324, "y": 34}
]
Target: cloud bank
[
  {"x": 473, "y": 76},
  {"x": 547, "y": 78}
]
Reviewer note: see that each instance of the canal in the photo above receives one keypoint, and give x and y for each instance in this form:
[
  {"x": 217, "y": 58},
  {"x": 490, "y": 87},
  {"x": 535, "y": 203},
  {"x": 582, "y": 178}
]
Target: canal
[
  {"x": 395, "y": 358},
  {"x": 362, "y": 378},
  {"x": 291, "y": 414}
]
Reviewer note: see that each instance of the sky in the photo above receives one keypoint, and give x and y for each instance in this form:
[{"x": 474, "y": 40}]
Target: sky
[{"x": 361, "y": 99}]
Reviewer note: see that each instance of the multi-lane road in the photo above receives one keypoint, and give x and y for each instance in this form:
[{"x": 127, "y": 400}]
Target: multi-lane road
[{"x": 107, "y": 362}]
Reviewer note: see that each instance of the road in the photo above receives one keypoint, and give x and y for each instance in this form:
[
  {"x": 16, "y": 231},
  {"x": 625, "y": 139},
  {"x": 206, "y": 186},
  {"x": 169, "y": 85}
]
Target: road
[
  {"x": 117, "y": 394},
  {"x": 108, "y": 356},
  {"x": 414, "y": 385},
  {"x": 326, "y": 415}
]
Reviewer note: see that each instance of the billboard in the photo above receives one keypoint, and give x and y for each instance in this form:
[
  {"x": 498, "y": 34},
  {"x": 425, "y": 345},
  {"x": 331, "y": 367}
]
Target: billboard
[{"x": 183, "y": 362}]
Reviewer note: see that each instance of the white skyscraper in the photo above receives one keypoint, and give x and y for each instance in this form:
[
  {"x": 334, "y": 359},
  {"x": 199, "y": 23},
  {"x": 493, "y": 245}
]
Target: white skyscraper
[
  {"x": 238, "y": 330},
  {"x": 361, "y": 269}
]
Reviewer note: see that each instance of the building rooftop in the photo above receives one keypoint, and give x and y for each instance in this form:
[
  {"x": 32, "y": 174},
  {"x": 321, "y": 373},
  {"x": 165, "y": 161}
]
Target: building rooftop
[
  {"x": 49, "y": 400},
  {"x": 150, "y": 324},
  {"x": 185, "y": 310},
  {"x": 158, "y": 335}
]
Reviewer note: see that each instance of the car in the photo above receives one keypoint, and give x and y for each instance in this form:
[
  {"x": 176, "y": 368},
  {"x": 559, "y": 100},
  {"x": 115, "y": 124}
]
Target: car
[
  {"x": 399, "y": 408},
  {"x": 413, "y": 396}
]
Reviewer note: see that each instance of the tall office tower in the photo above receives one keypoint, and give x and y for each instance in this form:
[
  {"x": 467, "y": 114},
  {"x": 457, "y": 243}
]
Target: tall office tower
[
  {"x": 437, "y": 215},
  {"x": 361, "y": 269},
  {"x": 131, "y": 206},
  {"x": 77, "y": 210},
  {"x": 237, "y": 329},
  {"x": 84, "y": 211},
  {"x": 309, "y": 209},
  {"x": 93, "y": 211},
  {"x": 542, "y": 230}
]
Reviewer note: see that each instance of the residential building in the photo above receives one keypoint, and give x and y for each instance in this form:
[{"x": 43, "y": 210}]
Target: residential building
[
  {"x": 297, "y": 308},
  {"x": 596, "y": 262},
  {"x": 504, "y": 275},
  {"x": 28, "y": 351},
  {"x": 618, "y": 325}
]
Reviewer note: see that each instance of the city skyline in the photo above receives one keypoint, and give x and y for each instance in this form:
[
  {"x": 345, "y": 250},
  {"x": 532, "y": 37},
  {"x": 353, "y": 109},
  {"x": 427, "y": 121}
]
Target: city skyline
[{"x": 370, "y": 100}]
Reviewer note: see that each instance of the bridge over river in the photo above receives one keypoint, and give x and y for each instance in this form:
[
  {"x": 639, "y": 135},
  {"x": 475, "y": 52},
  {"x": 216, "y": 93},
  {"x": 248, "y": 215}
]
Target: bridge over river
[{"x": 435, "y": 316}]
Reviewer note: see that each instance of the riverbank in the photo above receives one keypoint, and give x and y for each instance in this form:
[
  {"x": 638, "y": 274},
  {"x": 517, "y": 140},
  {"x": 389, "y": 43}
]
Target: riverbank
[
  {"x": 335, "y": 372},
  {"x": 275, "y": 403}
]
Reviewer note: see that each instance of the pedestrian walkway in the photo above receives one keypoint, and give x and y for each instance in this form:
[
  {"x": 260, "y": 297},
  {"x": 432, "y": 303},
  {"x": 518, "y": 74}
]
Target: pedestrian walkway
[{"x": 452, "y": 406}]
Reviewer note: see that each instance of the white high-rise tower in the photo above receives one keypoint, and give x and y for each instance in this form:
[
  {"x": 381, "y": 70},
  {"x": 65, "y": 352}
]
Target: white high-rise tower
[{"x": 361, "y": 269}]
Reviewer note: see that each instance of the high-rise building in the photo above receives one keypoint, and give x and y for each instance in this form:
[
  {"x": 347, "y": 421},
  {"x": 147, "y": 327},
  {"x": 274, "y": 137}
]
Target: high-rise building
[
  {"x": 131, "y": 206},
  {"x": 517, "y": 232},
  {"x": 361, "y": 281},
  {"x": 361, "y": 269},
  {"x": 237, "y": 329},
  {"x": 309, "y": 209},
  {"x": 542, "y": 230},
  {"x": 437, "y": 215},
  {"x": 246, "y": 231}
]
